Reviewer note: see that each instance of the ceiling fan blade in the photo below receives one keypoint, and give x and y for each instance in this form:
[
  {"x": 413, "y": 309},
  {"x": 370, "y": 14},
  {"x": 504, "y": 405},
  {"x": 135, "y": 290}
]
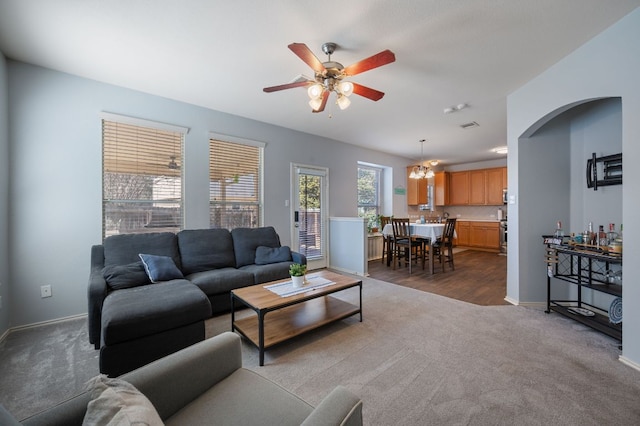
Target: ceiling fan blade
[
  {"x": 367, "y": 92},
  {"x": 325, "y": 96},
  {"x": 383, "y": 58},
  {"x": 304, "y": 53},
  {"x": 287, "y": 86}
]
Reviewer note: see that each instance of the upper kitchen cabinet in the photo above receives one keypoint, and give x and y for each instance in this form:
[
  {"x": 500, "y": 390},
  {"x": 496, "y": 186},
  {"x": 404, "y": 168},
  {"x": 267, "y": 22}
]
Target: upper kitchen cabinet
[
  {"x": 459, "y": 188},
  {"x": 416, "y": 190},
  {"x": 496, "y": 182},
  {"x": 477, "y": 187},
  {"x": 441, "y": 188}
]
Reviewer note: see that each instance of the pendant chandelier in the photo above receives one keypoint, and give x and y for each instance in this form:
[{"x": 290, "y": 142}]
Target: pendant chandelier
[{"x": 422, "y": 171}]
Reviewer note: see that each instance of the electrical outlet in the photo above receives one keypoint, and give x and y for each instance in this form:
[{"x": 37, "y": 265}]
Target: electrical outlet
[{"x": 45, "y": 291}]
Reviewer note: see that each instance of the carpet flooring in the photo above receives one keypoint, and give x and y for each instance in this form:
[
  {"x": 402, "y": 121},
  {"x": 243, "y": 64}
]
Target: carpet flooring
[{"x": 416, "y": 359}]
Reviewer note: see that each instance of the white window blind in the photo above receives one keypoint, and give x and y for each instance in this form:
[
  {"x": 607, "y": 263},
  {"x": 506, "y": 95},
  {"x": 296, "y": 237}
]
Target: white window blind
[
  {"x": 142, "y": 178},
  {"x": 235, "y": 184}
]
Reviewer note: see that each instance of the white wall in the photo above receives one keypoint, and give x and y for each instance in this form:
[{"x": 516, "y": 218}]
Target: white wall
[
  {"x": 607, "y": 66},
  {"x": 55, "y": 191},
  {"x": 4, "y": 198}
]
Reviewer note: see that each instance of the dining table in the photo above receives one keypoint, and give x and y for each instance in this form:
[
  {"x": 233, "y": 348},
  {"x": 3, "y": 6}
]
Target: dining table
[{"x": 427, "y": 231}]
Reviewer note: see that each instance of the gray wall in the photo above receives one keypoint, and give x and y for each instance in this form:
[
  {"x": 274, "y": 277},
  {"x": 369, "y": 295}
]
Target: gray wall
[
  {"x": 4, "y": 198},
  {"x": 605, "y": 67},
  {"x": 55, "y": 192}
]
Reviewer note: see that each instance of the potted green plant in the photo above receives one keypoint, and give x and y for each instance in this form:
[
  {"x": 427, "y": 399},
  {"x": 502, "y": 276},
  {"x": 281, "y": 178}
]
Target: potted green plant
[{"x": 297, "y": 272}]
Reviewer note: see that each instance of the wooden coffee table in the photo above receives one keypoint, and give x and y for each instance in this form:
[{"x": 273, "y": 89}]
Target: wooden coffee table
[{"x": 290, "y": 316}]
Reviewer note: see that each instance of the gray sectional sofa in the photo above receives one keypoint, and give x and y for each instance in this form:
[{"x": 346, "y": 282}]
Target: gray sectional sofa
[
  {"x": 205, "y": 384},
  {"x": 134, "y": 321}
]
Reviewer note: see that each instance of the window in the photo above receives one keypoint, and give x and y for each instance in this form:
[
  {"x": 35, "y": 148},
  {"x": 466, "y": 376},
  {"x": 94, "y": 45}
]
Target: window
[
  {"x": 369, "y": 205},
  {"x": 235, "y": 183},
  {"x": 141, "y": 177}
]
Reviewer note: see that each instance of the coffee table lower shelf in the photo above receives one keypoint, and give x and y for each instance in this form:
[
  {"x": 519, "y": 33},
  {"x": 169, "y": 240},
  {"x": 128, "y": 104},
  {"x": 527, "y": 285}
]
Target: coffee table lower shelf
[{"x": 285, "y": 323}]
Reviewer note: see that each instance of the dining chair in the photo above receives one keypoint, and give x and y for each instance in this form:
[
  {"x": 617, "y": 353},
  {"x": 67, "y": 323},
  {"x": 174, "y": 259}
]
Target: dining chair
[
  {"x": 443, "y": 246},
  {"x": 387, "y": 239},
  {"x": 411, "y": 248}
]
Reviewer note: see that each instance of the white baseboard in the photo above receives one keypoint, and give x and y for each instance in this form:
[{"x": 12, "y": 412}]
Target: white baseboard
[
  {"x": 526, "y": 304},
  {"x": 628, "y": 362},
  {"x": 40, "y": 324}
]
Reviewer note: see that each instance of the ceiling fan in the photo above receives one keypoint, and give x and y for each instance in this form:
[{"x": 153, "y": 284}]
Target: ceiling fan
[{"x": 329, "y": 76}]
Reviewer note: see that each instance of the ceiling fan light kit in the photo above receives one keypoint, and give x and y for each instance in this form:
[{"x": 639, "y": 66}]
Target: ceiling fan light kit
[{"x": 329, "y": 75}]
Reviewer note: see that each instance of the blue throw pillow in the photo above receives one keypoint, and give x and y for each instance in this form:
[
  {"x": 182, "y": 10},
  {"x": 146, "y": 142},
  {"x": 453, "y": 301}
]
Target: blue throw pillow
[
  {"x": 266, "y": 255},
  {"x": 125, "y": 276},
  {"x": 160, "y": 268}
]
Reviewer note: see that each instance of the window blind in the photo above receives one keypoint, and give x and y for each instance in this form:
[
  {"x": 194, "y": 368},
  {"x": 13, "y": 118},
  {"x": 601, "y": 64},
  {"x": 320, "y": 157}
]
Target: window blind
[
  {"x": 142, "y": 179},
  {"x": 235, "y": 184}
]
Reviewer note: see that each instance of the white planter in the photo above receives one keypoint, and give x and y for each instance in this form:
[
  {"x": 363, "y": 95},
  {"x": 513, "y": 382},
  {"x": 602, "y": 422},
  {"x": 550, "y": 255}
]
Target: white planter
[{"x": 298, "y": 281}]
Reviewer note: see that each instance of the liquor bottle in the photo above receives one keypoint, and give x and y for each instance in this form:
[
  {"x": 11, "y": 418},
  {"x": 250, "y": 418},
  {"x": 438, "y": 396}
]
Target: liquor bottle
[
  {"x": 591, "y": 234},
  {"x": 612, "y": 234},
  {"x": 559, "y": 232},
  {"x": 602, "y": 237}
]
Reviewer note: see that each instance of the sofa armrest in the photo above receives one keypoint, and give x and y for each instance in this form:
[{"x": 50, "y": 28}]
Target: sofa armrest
[
  {"x": 340, "y": 407},
  {"x": 96, "y": 293},
  {"x": 67, "y": 413},
  {"x": 298, "y": 258},
  {"x": 174, "y": 381}
]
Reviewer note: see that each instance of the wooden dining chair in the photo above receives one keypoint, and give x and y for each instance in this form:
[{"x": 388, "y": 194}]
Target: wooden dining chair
[
  {"x": 443, "y": 247},
  {"x": 387, "y": 239},
  {"x": 406, "y": 247}
]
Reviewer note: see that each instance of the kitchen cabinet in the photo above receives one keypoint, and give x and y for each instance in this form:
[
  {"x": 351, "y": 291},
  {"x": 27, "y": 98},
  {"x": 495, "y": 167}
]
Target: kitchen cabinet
[
  {"x": 441, "y": 189},
  {"x": 459, "y": 188},
  {"x": 416, "y": 189},
  {"x": 477, "y": 187},
  {"x": 478, "y": 235},
  {"x": 485, "y": 235},
  {"x": 462, "y": 233},
  {"x": 477, "y": 183},
  {"x": 496, "y": 181}
]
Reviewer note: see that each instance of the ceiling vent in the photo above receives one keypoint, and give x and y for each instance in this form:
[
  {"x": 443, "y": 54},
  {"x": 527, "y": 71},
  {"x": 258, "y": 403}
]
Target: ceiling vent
[{"x": 469, "y": 125}]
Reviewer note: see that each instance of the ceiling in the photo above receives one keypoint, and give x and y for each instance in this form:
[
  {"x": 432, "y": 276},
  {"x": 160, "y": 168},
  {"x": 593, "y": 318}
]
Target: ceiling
[{"x": 220, "y": 54}]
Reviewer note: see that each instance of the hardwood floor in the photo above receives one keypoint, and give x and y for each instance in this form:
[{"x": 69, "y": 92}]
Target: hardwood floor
[{"x": 479, "y": 277}]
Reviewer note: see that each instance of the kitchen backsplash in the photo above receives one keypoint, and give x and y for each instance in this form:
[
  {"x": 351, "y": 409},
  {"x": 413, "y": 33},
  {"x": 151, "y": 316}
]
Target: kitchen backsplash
[{"x": 465, "y": 212}]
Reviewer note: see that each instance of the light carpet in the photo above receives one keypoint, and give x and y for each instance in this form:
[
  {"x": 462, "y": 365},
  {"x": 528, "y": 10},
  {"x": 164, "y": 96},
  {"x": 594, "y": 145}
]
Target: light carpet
[{"x": 416, "y": 359}]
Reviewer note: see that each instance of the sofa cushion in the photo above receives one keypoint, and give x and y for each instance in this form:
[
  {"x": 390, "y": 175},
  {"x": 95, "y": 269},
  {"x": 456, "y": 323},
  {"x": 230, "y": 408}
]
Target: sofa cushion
[
  {"x": 116, "y": 402},
  {"x": 217, "y": 281},
  {"x": 267, "y": 255},
  {"x": 124, "y": 249},
  {"x": 271, "y": 272},
  {"x": 205, "y": 249},
  {"x": 160, "y": 268},
  {"x": 244, "y": 398},
  {"x": 125, "y": 276},
  {"x": 142, "y": 311},
  {"x": 247, "y": 240}
]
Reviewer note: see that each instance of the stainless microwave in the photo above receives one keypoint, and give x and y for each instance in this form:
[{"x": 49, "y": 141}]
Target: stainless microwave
[{"x": 505, "y": 199}]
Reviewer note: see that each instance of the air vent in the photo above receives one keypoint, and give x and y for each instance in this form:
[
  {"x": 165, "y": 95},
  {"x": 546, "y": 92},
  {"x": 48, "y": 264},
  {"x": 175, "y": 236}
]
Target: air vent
[{"x": 469, "y": 125}]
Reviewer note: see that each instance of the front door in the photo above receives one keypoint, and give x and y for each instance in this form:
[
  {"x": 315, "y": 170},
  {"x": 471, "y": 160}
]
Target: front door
[{"x": 309, "y": 213}]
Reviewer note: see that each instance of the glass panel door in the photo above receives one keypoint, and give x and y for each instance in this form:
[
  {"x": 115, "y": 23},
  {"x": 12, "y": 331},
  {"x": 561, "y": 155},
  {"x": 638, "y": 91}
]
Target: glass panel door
[{"x": 309, "y": 214}]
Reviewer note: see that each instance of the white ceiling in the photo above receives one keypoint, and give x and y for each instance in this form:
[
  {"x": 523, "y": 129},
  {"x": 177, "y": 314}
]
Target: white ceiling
[{"x": 220, "y": 54}]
